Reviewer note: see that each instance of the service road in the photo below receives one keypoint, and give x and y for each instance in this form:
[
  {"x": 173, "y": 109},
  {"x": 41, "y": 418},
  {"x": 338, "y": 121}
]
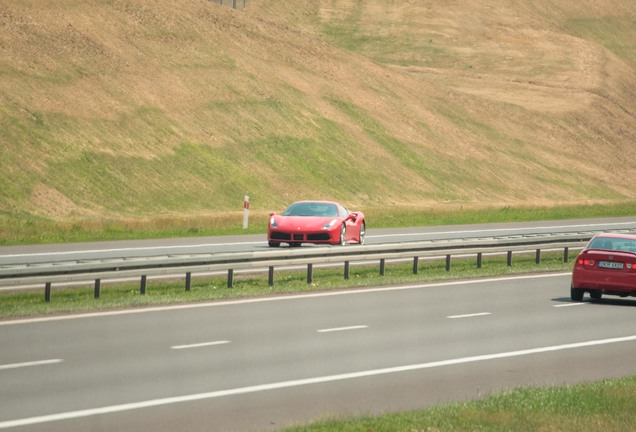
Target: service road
[{"x": 50, "y": 253}]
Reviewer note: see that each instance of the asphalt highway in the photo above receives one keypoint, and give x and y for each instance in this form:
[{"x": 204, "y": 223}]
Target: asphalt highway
[{"x": 262, "y": 364}]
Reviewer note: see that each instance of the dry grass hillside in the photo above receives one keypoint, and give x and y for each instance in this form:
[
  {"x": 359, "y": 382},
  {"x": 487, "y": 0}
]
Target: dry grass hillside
[{"x": 153, "y": 109}]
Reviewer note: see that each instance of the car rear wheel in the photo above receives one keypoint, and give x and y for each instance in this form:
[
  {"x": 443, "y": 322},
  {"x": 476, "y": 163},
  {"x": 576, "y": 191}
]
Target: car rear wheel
[
  {"x": 363, "y": 232},
  {"x": 343, "y": 235},
  {"x": 273, "y": 244},
  {"x": 576, "y": 294}
]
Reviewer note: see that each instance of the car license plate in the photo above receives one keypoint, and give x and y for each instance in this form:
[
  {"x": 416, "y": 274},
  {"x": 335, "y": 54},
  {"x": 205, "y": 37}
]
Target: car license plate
[{"x": 610, "y": 265}]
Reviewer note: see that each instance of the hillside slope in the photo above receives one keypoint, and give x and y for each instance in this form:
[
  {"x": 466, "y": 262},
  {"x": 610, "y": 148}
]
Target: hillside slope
[{"x": 144, "y": 108}]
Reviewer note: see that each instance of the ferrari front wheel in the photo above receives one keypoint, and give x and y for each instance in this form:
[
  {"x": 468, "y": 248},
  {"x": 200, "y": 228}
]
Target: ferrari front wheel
[{"x": 343, "y": 235}]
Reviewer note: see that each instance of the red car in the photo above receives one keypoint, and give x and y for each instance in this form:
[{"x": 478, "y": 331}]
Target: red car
[
  {"x": 607, "y": 265},
  {"x": 316, "y": 222}
]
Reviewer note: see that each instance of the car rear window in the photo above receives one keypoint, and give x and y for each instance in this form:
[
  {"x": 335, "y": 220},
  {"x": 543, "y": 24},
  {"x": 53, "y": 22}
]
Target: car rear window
[{"x": 611, "y": 243}]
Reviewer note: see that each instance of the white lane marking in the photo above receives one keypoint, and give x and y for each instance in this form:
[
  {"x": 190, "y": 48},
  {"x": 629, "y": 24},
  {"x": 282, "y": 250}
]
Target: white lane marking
[
  {"x": 337, "y": 329},
  {"x": 29, "y": 364},
  {"x": 275, "y": 299},
  {"x": 569, "y": 304},
  {"x": 302, "y": 382},
  {"x": 199, "y": 345},
  {"x": 469, "y": 315}
]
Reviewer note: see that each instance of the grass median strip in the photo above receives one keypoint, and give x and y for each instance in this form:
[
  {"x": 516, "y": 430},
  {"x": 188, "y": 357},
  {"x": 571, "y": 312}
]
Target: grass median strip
[{"x": 29, "y": 303}]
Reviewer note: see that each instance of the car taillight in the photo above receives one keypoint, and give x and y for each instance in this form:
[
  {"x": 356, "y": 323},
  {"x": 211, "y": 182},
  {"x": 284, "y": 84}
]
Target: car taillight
[{"x": 585, "y": 262}]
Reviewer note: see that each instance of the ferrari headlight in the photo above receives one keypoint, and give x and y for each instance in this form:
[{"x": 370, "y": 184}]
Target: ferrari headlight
[
  {"x": 272, "y": 222},
  {"x": 330, "y": 224}
]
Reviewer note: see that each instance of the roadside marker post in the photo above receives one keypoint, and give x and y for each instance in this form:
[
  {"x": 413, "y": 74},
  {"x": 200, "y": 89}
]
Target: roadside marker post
[{"x": 246, "y": 211}]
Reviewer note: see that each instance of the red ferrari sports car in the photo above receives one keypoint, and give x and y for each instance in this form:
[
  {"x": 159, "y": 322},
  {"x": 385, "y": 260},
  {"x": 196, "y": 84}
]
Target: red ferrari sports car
[
  {"x": 607, "y": 265},
  {"x": 316, "y": 222}
]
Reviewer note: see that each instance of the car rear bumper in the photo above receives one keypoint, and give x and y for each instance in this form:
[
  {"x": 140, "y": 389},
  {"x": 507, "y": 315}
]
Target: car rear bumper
[{"x": 612, "y": 283}]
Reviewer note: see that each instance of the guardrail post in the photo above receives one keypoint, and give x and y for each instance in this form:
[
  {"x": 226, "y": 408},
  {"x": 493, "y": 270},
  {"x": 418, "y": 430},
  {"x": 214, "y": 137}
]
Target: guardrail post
[
  {"x": 382, "y": 262},
  {"x": 271, "y": 276},
  {"x": 98, "y": 283},
  {"x": 47, "y": 292},
  {"x": 346, "y": 270},
  {"x": 509, "y": 259},
  {"x": 230, "y": 278},
  {"x": 415, "y": 264},
  {"x": 448, "y": 262},
  {"x": 566, "y": 256},
  {"x": 188, "y": 281},
  {"x": 479, "y": 259},
  {"x": 537, "y": 258},
  {"x": 310, "y": 273},
  {"x": 142, "y": 288}
]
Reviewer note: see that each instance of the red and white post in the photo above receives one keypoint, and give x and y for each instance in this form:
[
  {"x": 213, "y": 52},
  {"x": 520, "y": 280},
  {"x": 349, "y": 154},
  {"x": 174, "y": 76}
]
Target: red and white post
[{"x": 246, "y": 211}]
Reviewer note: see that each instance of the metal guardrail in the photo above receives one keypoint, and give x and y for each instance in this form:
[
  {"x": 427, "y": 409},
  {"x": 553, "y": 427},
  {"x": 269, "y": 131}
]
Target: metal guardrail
[{"x": 46, "y": 274}]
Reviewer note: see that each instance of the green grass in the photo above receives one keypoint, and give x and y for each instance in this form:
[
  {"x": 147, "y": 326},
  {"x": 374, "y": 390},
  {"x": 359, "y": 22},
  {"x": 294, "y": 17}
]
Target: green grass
[
  {"x": 23, "y": 228},
  {"x": 451, "y": 214},
  {"x": 606, "y": 405}
]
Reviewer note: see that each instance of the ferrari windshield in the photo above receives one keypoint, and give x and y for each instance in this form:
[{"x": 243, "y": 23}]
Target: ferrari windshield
[
  {"x": 312, "y": 209},
  {"x": 613, "y": 243}
]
